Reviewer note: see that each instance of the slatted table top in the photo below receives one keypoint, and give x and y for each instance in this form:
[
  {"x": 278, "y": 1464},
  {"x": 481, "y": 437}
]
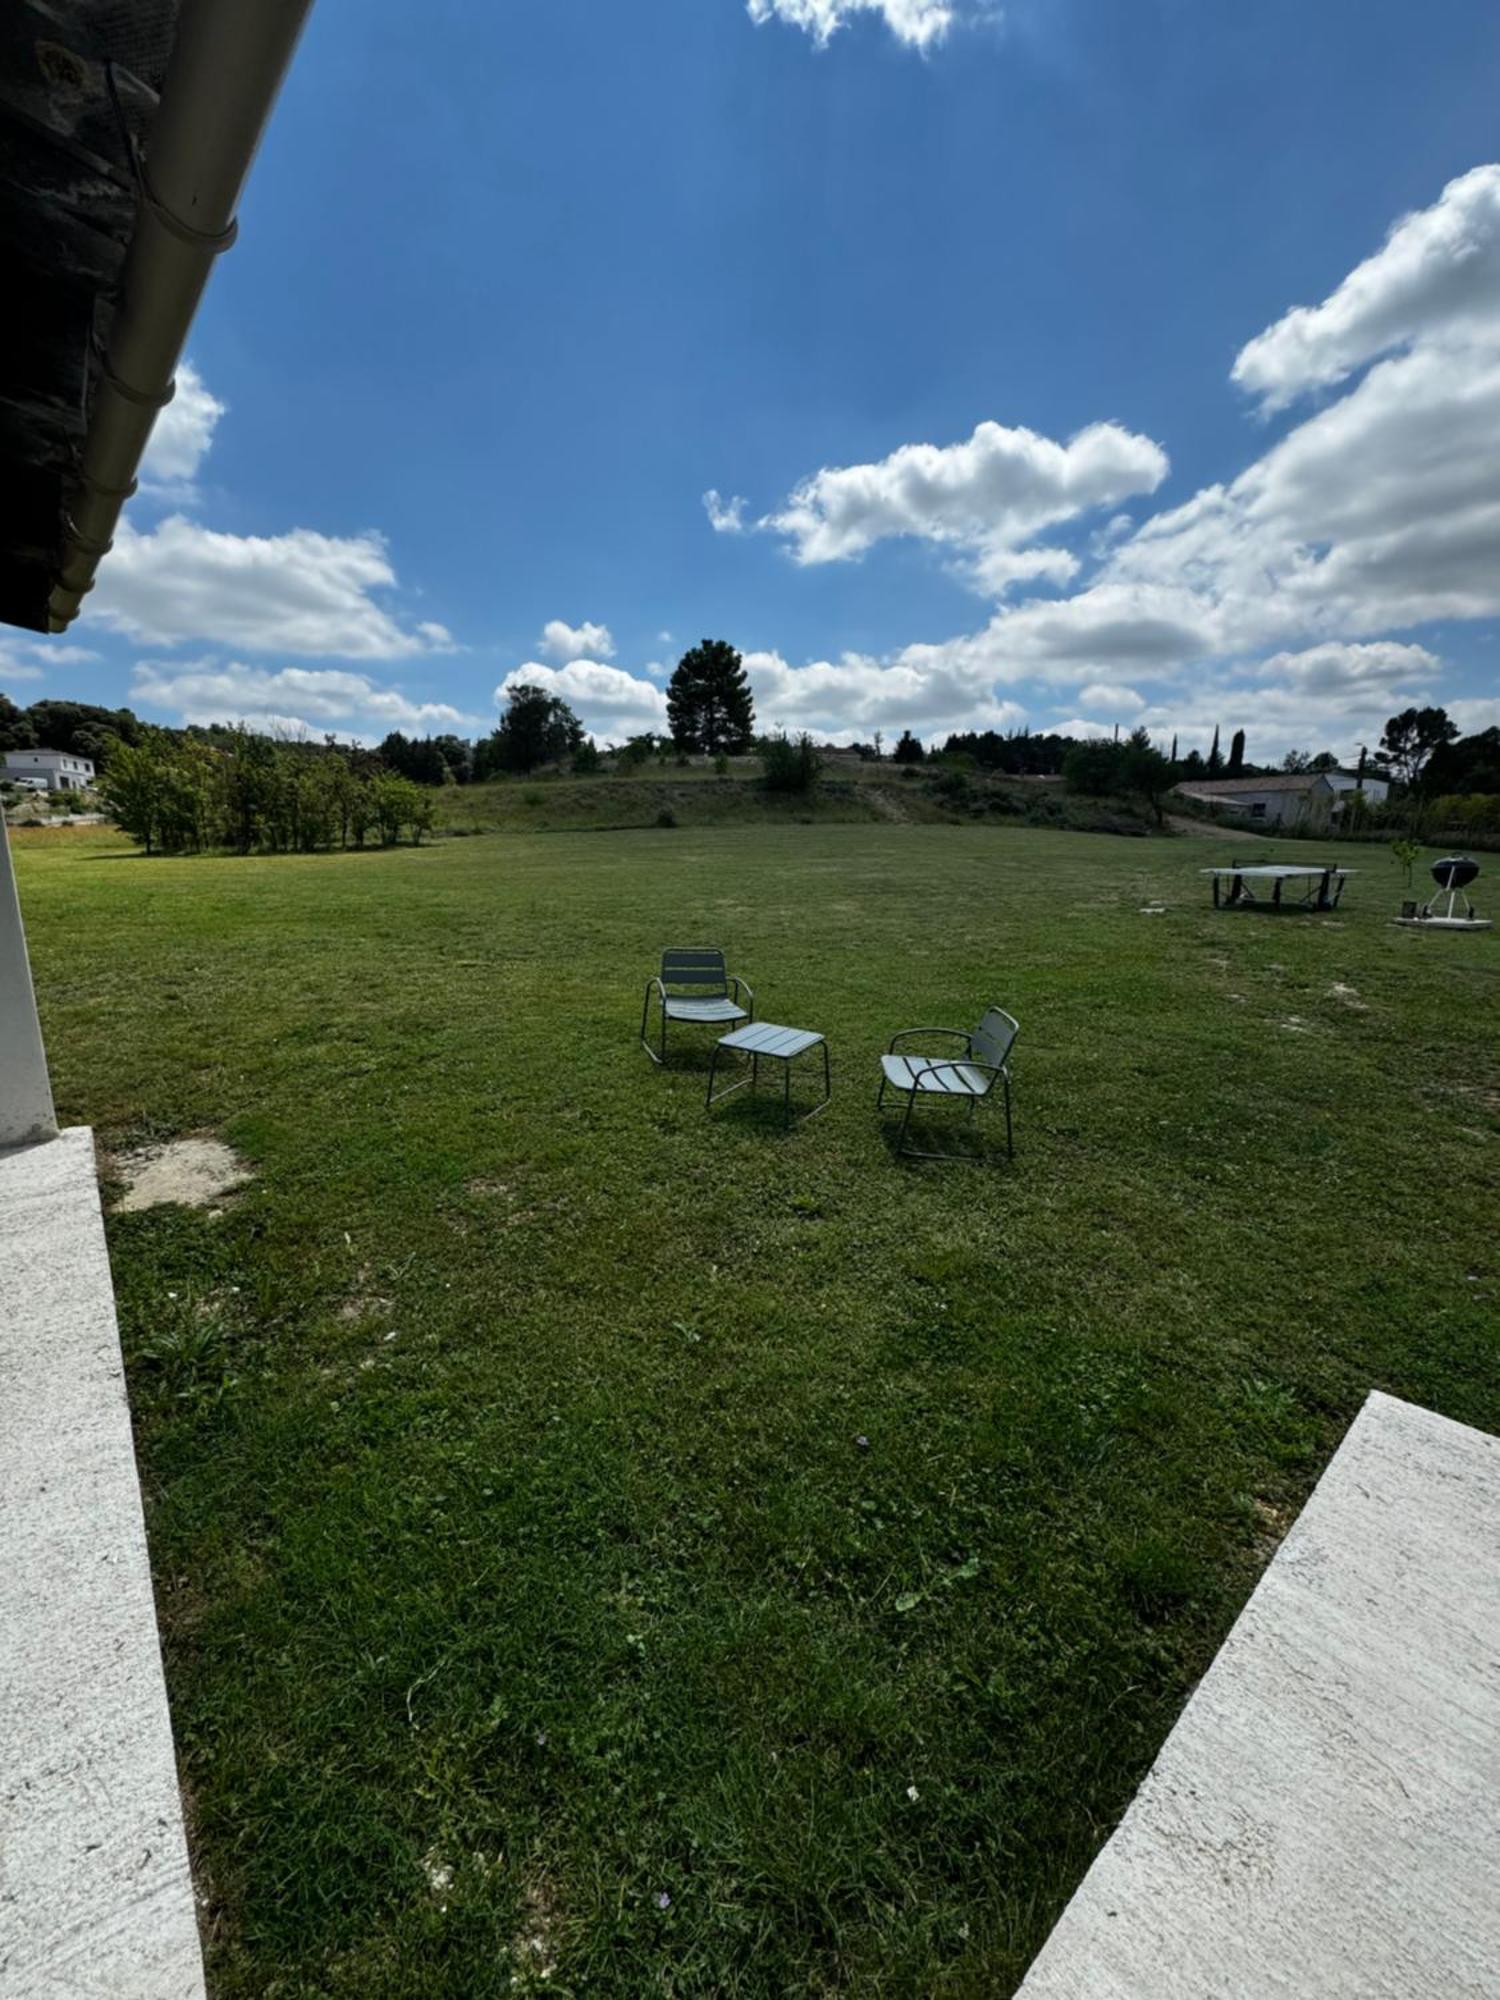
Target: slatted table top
[
  {"x": 765, "y": 1038},
  {"x": 1279, "y": 871}
]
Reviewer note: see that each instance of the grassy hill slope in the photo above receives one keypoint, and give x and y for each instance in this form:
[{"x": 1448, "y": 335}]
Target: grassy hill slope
[{"x": 694, "y": 796}]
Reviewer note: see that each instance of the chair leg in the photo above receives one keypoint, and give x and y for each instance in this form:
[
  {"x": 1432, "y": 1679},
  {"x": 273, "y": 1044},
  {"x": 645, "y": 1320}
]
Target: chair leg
[
  {"x": 713, "y": 1064},
  {"x": 645, "y": 1021},
  {"x": 1010, "y": 1139},
  {"x": 911, "y": 1098}
]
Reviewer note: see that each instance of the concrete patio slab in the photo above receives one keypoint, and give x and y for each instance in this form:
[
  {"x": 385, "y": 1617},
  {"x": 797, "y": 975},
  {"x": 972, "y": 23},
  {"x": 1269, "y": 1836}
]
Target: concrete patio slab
[
  {"x": 1324, "y": 1820},
  {"x": 95, "y": 1895}
]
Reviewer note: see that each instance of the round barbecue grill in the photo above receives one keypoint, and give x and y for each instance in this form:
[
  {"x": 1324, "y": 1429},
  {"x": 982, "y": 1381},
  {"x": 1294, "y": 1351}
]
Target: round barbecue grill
[
  {"x": 1454, "y": 871},
  {"x": 1453, "y": 874}
]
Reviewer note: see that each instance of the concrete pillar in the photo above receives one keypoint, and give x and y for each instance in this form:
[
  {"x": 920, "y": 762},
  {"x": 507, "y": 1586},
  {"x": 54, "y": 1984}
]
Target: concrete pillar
[{"x": 26, "y": 1112}]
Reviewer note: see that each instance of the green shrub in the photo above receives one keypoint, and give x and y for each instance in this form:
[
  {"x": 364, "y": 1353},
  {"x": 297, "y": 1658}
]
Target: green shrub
[
  {"x": 953, "y": 785},
  {"x": 790, "y": 764},
  {"x": 1045, "y": 810},
  {"x": 666, "y": 817}
]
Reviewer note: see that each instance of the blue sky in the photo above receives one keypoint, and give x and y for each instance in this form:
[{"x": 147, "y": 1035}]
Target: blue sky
[{"x": 978, "y": 323}]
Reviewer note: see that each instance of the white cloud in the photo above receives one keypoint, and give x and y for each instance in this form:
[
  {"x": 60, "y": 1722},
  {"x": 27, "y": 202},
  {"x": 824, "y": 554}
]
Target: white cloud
[
  {"x": 1108, "y": 695},
  {"x": 290, "y": 698},
  {"x": 847, "y": 700},
  {"x": 1437, "y": 275},
  {"x": 920, "y": 24},
  {"x": 561, "y": 641},
  {"x": 725, "y": 517},
  {"x": 28, "y": 659},
  {"x": 611, "y": 703},
  {"x": 299, "y": 592},
  {"x": 182, "y": 434},
  {"x": 987, "y": 497},
  {"x": 1141, "y": 627},
  {"x": 1334, "y": 669},
  {"x": 1473, "y": 716},
  {"x": 996, "y": 569},
  {"x": 1329, "y": 697},
  {"x": 1378, "y": 513}
]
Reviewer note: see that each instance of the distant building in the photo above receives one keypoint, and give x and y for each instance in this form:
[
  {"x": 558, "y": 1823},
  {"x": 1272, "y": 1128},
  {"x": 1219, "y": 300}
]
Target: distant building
[
  {"x": 1285, "y": 797},
  {"x": 48, "y": 770}
]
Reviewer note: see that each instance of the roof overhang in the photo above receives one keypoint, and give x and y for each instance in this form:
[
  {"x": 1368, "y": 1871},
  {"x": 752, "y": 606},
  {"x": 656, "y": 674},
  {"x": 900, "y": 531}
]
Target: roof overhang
[{"x": 126, "y": 130}]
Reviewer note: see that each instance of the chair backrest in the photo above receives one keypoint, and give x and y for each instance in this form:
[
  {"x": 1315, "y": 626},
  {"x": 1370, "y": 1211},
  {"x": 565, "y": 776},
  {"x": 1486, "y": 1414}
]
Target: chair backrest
[
  {"x": 703, "y": 968},
  {"x": 995, "y": 1036}
]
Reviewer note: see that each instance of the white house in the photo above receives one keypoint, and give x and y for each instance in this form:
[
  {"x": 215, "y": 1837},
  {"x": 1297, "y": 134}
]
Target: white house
[
  {"x": 1284, "y": 797},
  {"x": 48, "y": 770}
]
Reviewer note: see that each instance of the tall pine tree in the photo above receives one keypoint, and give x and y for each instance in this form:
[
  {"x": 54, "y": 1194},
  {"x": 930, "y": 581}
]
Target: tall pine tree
[
  {"x": 1237, "y": 753},
  {"x": 709, "y": 703}
]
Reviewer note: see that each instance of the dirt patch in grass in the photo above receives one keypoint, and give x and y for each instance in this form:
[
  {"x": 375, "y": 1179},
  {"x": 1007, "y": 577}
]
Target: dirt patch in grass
[
  {"x": 534, "y": 1949},
  {"x": 1271, "y": 1524},
  {"x": 195, "y": 1172},
  {"x": 365, "y": 1307}
]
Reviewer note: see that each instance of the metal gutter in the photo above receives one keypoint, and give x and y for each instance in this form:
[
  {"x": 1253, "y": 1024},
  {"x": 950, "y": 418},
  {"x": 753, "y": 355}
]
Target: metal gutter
[{"x": 226, "y": 67}]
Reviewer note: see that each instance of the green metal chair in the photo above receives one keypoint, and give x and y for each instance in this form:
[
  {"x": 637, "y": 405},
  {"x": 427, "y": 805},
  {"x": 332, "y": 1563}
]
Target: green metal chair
[
  {"x": 961, "y": 1079},
  {"x": 707, "y": 1002}
]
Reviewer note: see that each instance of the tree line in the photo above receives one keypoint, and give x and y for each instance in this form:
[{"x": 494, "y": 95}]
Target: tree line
[
  {"x": 174, "y": 793},
  {"x": 710, "y": 712}
]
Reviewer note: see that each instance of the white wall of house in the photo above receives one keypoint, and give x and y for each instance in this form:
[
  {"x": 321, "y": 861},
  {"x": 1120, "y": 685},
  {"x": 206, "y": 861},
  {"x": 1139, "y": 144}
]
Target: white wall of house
[
  {"x": 1275, "y": 808},
  {"x": 1376, "y": 790},
  {"x": 1318, "y": 800},
  {"x": 59, "y": 770}
]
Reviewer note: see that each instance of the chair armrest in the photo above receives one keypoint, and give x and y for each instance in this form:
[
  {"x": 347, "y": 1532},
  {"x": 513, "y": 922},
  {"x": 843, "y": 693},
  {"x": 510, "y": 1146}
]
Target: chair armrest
[
  {"x": 740, "y": 987},
  {"x": 953, "y": 1034},
  {"x": 659, "y": 987}
]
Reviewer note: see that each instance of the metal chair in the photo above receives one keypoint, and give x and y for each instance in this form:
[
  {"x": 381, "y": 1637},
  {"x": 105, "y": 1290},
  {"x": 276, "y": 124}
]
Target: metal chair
[
  {"x": 706, "y": 1003},
  {"x": 964, "y": 1079}
]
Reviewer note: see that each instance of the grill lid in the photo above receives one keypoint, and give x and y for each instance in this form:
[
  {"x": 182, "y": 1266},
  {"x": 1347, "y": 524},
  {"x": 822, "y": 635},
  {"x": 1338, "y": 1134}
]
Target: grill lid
[{"x": 1454, "y": 871}]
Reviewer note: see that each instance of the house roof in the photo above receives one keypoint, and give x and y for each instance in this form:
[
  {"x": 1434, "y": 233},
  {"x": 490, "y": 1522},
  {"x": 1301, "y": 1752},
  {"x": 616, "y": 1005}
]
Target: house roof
[{"x": 1279, "y": 781}]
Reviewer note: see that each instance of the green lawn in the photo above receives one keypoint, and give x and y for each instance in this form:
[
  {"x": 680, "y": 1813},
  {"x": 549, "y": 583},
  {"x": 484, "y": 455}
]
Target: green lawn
[{"x": 563, "y": 1501}]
